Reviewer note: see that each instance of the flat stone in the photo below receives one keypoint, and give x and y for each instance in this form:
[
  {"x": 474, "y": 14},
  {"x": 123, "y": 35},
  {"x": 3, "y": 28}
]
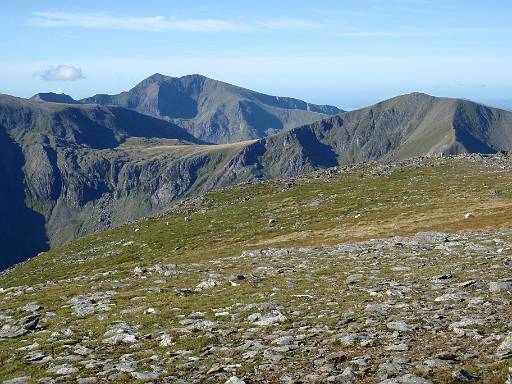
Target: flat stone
[
  {"x": 86, "y": 380},
  {"x": 63, "y": 369},
  {"x": 352, "y": 279},
  {"x": 500, "y": 286},
  {"x": 272, "y": 355},
  {"x": 401, "y": 326},
  {"x": 457, "y": 296},
  {"x": 284, "y": 340},
  {"x": 32, "y": 307},
  {"x": 121, "y": 338},
  {"x": 402, "y": 347},
  {"x": 166, "y": 340},
  {"x": 351, "y": 339},
  {"x": 407, "y": 379},
  {"x": 234, "y": 380},
  {"x": 504, "y": 350},
  {"x": 275, "y": 317},
  {"x": 36, "y": 357},
  {"x": 463, "y": 375},
  {"x": 18, "y": 380},
  {"x": 145, "y": 375}
]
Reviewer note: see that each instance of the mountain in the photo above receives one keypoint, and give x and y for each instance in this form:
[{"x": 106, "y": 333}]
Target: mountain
[
  {"x": 341, "y": 276},
  {"x": 402, "y": 127},
  {"x": 54, "y": 98},
  {"x": 70, "y": 170},
  {"x": 215, "y": 111},
  {"x": 56, "y": 159}
]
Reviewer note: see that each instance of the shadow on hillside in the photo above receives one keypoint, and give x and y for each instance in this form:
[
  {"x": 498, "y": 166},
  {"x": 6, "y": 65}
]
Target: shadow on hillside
[{"x": 22, "y": 230}]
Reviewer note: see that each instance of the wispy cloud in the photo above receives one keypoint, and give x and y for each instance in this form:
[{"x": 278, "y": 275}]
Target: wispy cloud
[
  {"x": 363, "y": 33},
  {"x": 289, "y": 23},
  {"x": 405, "y": 33},
  {"x": 62, "y": 73},
  {"x": 333, "y": 27},
  {"x": 153, "y": 23},
  {"x": 102, "y": 20}
]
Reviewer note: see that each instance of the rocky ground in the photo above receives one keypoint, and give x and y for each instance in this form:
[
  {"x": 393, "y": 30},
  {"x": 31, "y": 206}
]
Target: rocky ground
[
  {"x": 125, "y": 306},
  {"x": 434, "y": 307}
]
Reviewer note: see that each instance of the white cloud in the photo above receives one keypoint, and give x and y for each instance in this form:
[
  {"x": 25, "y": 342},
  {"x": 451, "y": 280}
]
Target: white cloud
[
  {"x": 152, "y": 23},
  {"x": 62, "y": 73}
]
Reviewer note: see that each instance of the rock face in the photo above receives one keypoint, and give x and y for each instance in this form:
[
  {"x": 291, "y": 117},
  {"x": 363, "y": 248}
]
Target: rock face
[{"x": 215, "y": 111}]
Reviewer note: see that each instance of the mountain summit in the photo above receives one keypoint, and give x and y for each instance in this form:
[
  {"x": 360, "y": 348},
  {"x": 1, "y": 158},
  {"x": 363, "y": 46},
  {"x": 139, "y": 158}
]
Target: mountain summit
[
  {"x": 402, "y": 127},
  {"x": 52, "y": 97},
  {"x": 215, "y": 111}
]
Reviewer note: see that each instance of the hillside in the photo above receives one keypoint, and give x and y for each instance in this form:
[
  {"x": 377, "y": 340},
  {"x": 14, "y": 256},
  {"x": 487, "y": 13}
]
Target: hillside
[
  {"x": 52, "y": 97},
  {"x": 402, "y": 127},
  {"x": 378, "y": 273},
  {"x": 70, "y": 170},
  {"x": 56, "y": 159},
  {"x": 215, "y": 111}
]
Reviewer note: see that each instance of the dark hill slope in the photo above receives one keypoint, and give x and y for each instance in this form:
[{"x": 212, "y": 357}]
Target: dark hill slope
[{"x": 55, "y": 159}]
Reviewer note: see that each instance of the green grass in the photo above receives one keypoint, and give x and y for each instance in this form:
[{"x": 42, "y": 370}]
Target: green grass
[
  {"x": 313, "y": 212},
  {"x": 405, "y": 202}
]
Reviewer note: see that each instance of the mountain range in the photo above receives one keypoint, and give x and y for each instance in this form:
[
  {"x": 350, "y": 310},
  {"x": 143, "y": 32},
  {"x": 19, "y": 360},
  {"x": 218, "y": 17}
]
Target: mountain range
[
  {"x": 215, "y": 111},
  {"x": 69, "y": 168}
]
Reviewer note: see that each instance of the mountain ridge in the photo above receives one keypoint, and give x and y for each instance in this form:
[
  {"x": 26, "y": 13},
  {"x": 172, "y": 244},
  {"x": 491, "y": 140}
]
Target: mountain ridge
[
  {"x": 213, "y": 110},
  {"x": 52, "y": 97},
  {"x": 77, "y": 169}
]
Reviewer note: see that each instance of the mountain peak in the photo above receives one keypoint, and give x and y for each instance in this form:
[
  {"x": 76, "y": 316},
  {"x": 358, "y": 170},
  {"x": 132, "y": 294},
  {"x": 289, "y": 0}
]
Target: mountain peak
[
  {"x": 52, "y": 97},
  {"x": 158, "y": 77},
  {"x": 415, "y": 96},
  {"x": 215, "y": 111}
]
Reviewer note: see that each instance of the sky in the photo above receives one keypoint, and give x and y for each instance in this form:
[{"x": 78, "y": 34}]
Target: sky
[{"x": 349, "y": 53}]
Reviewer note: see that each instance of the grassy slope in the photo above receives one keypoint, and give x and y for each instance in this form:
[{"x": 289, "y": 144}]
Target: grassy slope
[
  {"x": 310, "y": 212},
  {"x": 405, "y": 202}
]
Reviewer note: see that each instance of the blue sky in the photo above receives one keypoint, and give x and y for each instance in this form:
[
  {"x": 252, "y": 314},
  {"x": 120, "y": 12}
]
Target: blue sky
[{"x": 347, "y": 53}]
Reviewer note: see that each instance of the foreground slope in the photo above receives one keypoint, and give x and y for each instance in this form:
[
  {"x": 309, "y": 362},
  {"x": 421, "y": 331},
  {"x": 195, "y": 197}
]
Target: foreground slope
[
  {"x": 296, "y": 280},
  {"x": 215, "y": 111}
]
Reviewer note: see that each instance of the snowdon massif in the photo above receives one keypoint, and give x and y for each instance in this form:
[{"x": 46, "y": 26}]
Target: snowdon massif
[
  {"x": 70, "y": 169},
  {"x": 215, "y": 111}
]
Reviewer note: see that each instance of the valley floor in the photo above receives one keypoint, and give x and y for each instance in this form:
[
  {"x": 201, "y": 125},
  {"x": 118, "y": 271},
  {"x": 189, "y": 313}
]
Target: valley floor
[{"x": 380, "y": 273}]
